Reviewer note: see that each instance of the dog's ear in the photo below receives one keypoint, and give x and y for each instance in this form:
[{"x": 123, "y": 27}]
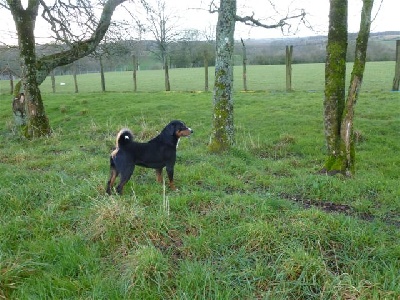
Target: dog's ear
[
  {"x": 168, "y": 134},
  {"x": 171, "y": 128}
]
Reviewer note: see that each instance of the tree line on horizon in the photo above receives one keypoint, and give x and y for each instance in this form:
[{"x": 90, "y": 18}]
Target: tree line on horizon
[{"x": 190, "y": 54}]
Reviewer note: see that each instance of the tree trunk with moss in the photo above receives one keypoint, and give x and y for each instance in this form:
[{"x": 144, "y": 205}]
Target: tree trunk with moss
[
  {"x": 35, "y": 71},
  {"x": 347, "y": 132},
  {"x": 222, "y": 136},
  {"x": 339, "y": 111},
  {"x": 37, "y": 123}
]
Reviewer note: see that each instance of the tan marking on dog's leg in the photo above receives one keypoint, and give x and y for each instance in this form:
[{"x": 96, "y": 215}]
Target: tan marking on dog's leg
[
  {"x": 172, "y": 186},
  {"x": 159, "y": 175},
  {"x": 114, "y": 153},
  {"x": 111, "y": 181}
]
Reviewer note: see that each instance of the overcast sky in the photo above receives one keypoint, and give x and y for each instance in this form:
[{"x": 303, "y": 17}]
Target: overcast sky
[
  {"x": 385, "y": 13},
  {"x": 194, "y": 15}
]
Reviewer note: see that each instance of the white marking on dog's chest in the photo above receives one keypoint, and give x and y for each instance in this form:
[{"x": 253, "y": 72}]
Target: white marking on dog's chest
[{"x": 177, "y": 143}]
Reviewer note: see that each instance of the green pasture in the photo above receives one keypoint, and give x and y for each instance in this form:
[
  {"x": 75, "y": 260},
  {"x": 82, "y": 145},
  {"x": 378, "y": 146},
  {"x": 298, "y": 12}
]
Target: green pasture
[
  {"x": 257, "y": 222},
  {"x": 306, "y": 77}
]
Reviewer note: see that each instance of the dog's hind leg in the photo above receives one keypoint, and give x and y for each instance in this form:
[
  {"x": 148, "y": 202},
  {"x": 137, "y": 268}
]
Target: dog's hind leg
[
  {"x": 125, "y": 176},
  {"x": 111, "y": 181},
  {"x": 113, "y": 176}
]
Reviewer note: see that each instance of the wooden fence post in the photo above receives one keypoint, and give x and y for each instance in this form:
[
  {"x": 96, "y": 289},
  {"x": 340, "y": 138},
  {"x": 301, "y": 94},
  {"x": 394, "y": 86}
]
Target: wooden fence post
[
  {"x": 206, "y": 70},
  {"x": 74, "y": 75},
  {"x": 134, "y": 62},
  {"x": 396, "y": 80},
  {"x": 289, "y": 53},
  {"x": 53, "y": 81},
  {"x": 244, "y": 66}
]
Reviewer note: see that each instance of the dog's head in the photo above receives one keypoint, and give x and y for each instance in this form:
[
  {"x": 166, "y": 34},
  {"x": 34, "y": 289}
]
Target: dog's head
[{"x": 177, "y": 129}]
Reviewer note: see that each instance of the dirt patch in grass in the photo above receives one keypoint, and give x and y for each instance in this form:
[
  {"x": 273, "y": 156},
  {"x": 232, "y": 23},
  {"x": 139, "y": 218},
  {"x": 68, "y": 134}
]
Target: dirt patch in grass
[{"x": 330, "y": 207}]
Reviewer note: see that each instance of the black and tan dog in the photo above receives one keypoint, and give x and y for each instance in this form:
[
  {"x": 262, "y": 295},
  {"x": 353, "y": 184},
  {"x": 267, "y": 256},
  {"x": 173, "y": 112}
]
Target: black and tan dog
[{"x": 157, "y": 153}]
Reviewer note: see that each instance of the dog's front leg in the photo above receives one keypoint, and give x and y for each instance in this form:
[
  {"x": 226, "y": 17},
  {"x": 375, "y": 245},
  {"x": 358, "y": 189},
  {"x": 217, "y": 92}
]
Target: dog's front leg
[
  {"x": 159, "y": 175},
  {"x": 170, "y": 172}
]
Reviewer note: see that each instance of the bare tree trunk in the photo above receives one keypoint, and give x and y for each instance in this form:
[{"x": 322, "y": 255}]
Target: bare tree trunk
[
  {"x": 134, "y": 61},
  {"x": 244, "y": 66},
  {"x": 205, "y": 70},
  {"x": 103, "y": 80},
  {"x": 53, "y": 81},
  {"x": 222, "y": 136},
  {"x": 339, "y": 114},
  {"x": 289, "y": 55},
  {"x": 75, "y": 70},
  {"x": 396, "y": 80}
]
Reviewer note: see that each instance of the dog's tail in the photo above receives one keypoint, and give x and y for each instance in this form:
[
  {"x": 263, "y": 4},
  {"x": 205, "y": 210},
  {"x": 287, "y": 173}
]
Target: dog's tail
[{"x": 124, "y": 137}]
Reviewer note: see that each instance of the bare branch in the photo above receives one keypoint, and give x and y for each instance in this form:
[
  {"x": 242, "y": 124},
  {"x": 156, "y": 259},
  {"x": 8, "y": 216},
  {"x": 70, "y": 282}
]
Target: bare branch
[
  {"x": 213, "y": 8},
  {"x": 79, "y": 49},
  {"x": 63, "y": 15},
  {"x": 251, "y": 21}
]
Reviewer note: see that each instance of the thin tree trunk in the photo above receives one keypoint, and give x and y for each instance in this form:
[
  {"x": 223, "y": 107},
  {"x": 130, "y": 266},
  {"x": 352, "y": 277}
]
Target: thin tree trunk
[
  {"x": 396, "y": 80},
  {"x": 244, "y": 66},
  {"x": 346, "y": 132},
  {"x": 222, "y": 136},
  {"x": 289, "y": 55}
]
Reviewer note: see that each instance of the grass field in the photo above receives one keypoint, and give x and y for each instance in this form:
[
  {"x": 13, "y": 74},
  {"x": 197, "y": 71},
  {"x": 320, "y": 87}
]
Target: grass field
[
  {"x": 257, "y": 222},
  {"x": 306, "y": 77}
]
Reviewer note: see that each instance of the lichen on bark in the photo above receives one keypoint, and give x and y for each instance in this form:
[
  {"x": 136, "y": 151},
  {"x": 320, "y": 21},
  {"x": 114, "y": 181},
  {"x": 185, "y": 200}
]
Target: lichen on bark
[
  {"x": 339, "y": 110},
  {"x": 222, "y": 136}
]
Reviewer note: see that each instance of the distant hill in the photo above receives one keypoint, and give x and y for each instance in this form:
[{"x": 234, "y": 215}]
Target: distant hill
[{"x": 311, "y": 49}]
